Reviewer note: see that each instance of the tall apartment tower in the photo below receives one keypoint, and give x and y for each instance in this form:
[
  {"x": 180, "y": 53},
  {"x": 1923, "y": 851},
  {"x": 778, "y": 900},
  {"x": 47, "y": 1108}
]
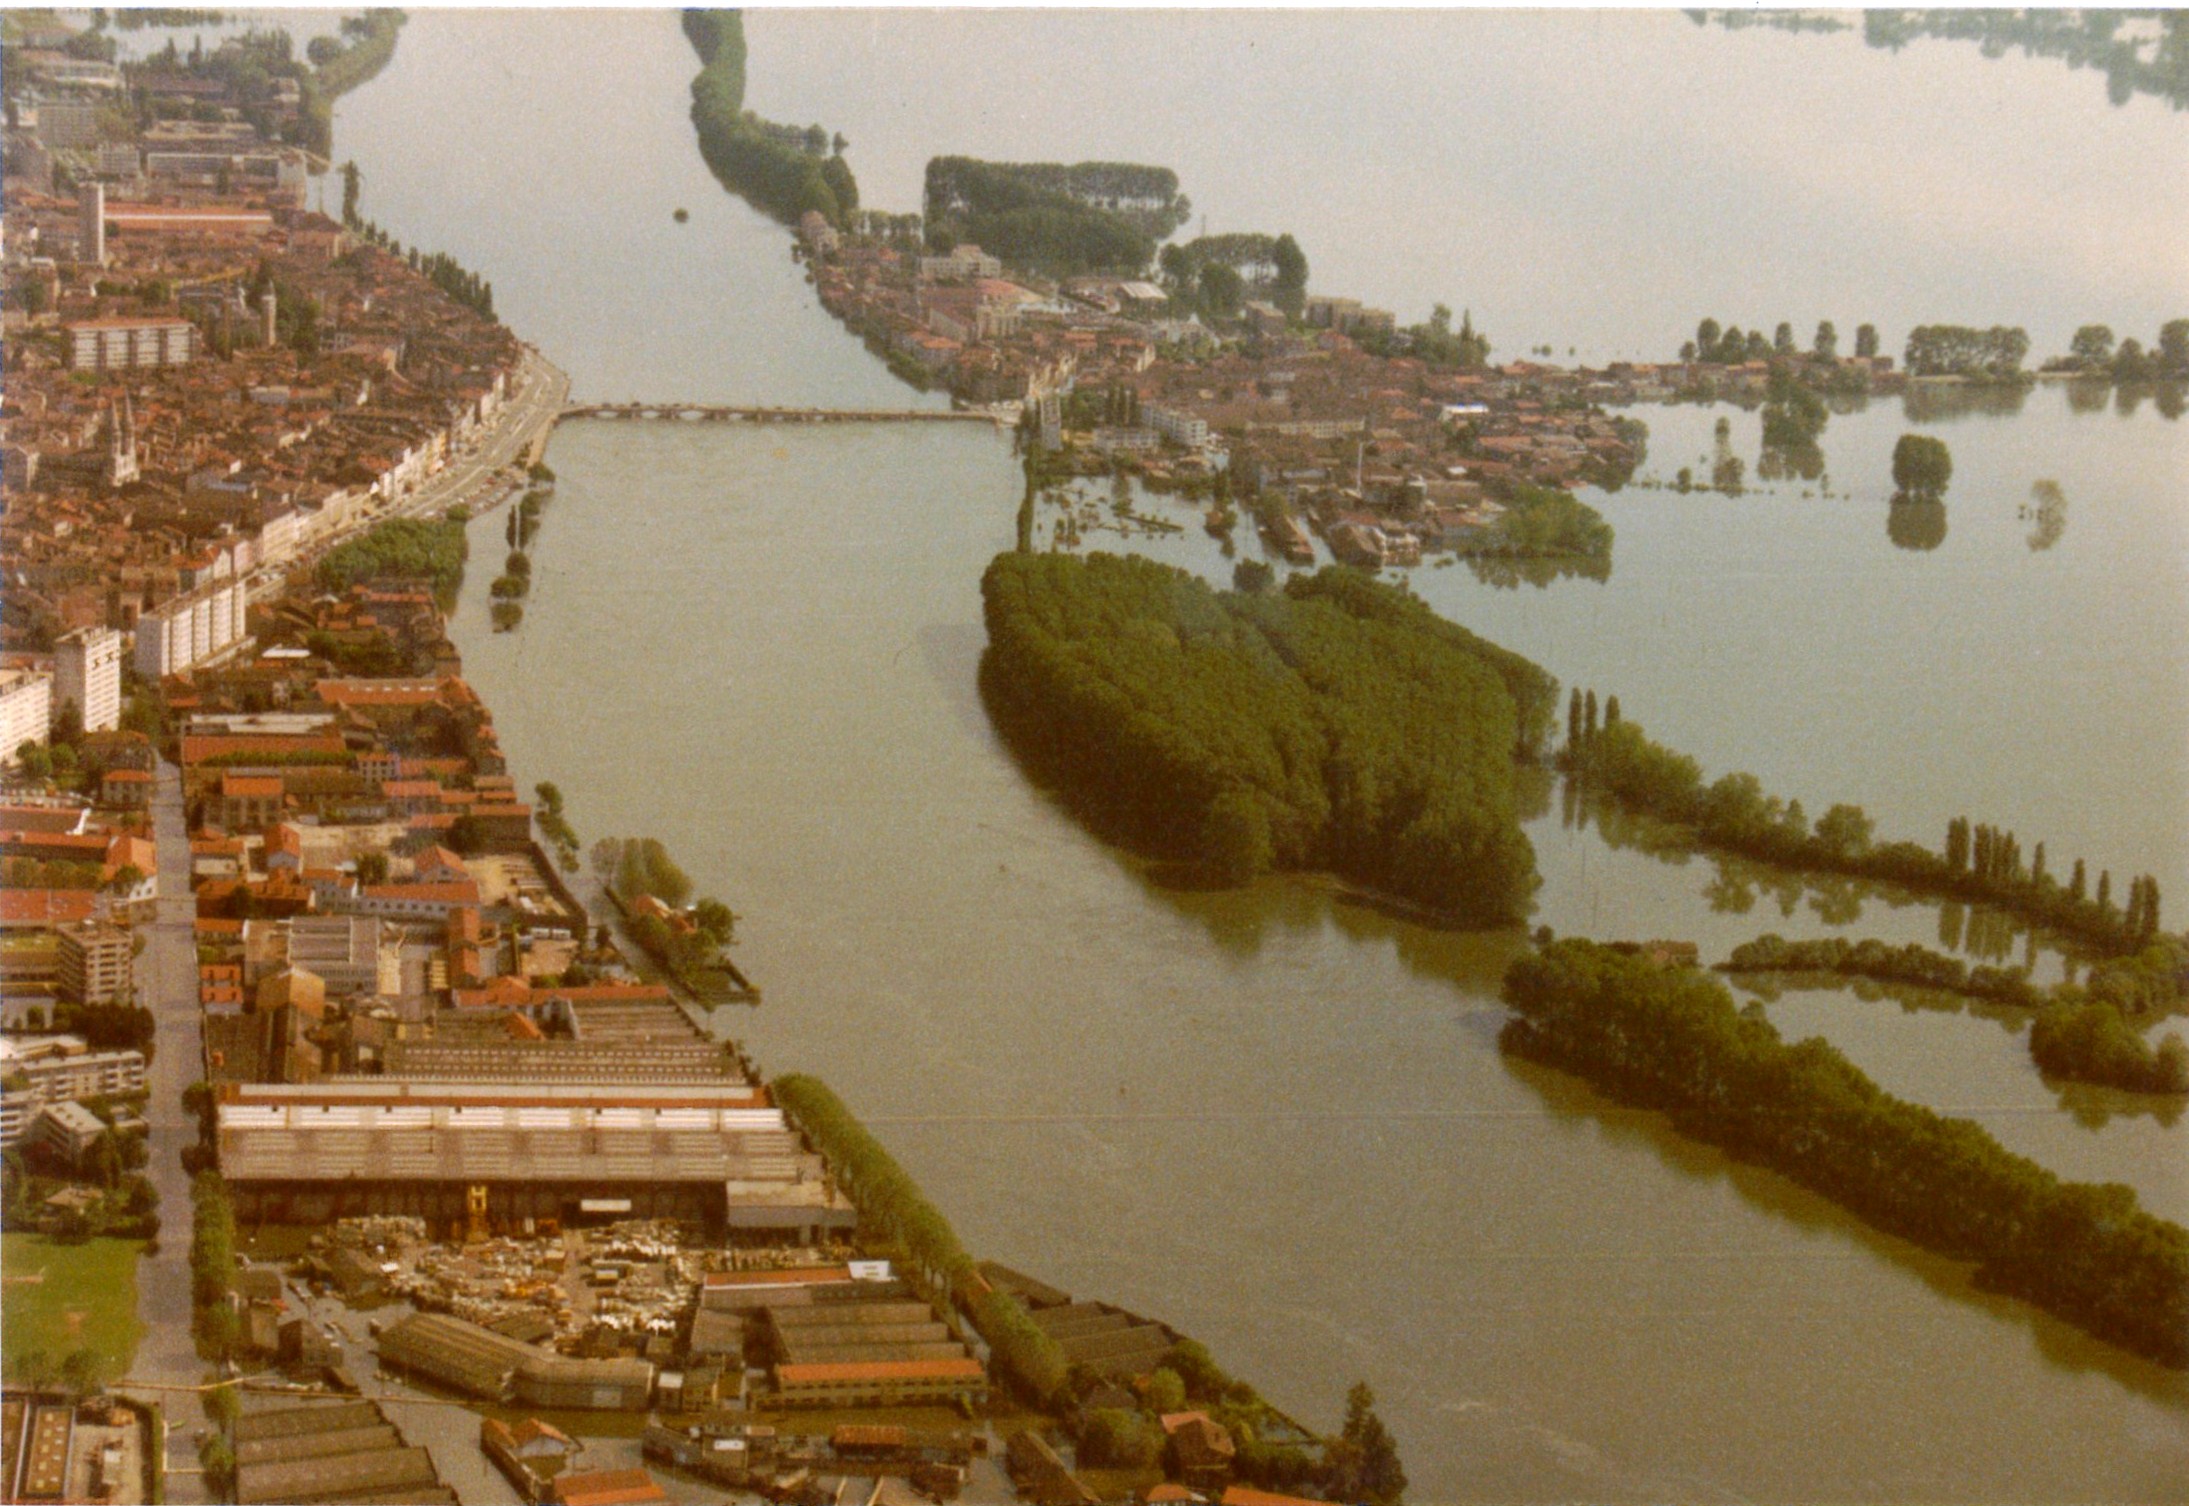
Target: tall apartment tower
[
  {"x": 87, "y": 669},
  {"x": 269, "y": 309},
  {"x": 91, "y": 230}
]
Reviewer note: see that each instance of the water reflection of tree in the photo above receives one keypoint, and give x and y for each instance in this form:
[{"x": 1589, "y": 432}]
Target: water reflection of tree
[
  {"x": 2088, "y": 397},
  {"x": 1570, "y": 1100},
  {"x": 2046, "y": 510},
  {"x": 2094, "y": 1107},
  {"x": 1916, "y": 525},
  {"x": 2127, "y": 397},
  {"x": 1510, "y": 572},
  {"x": 1941, "y": 402},
  {"x": 1803, "y": 460}
]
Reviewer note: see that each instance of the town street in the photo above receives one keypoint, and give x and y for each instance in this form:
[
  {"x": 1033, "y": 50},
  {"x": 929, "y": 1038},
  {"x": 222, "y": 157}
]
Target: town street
[{"x": 167, "y": 979}]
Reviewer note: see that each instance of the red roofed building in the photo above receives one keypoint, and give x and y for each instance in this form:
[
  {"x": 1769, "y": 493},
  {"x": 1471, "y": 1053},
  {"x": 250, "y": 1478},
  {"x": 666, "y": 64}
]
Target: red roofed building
[
  {"x": 38, "y": 909},
  {"x": 249, "y": 801},
  {"x": 885, "y": 1383},
  {"x": 198, "y": 747},
  {"x": 1247, "y": 1495},
  {"x": 435, "y": 902},
  {"x": 605, "y": 1487}
]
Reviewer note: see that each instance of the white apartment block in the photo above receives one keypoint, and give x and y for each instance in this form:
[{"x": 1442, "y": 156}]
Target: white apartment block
[
  {"x": 87, "y": 669},
  {"x": 26, "y": 710},
  {"x": 190, "y": 629},
  {"x": 1178, "y": 426},
  {"x": 116, "y": 344}
]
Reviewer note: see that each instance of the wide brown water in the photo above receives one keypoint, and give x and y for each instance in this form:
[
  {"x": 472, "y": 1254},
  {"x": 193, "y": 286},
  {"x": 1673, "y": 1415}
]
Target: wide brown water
[{"x": 1273, "y": 1118}]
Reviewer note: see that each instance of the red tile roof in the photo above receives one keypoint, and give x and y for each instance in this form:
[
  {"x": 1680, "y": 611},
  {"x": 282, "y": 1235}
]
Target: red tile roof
[
  {"x": 963, "y": 1369},
  {"x": 46, "y": 907},
  {"x": 605, "y": 1487}
]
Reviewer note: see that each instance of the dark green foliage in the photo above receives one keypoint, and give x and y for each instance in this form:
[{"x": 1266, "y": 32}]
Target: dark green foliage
[
  {"x": 644, "y": 867},
  {"x": 782, "y": 171},
  {"x": 1339, "y": 725},
  {"x": 2092, "y": 1042},
  {"x": 1362, "y": 1462},
  {"x": 1674, "y": 1040},
  {"x": 1060, "y": 220},
  {"x": 1541, "y": 522},
  {"x": 1216, "y": 272},
  {"x": 109, "y": 1024},
  {"x": 1438, "y": 345},
  {"x": 1871, "y": 958},
  {"x": 409, "y": 548},
  {"x": 1922, "y": 466},
  {"x": 892, "y": 1203},
  {"x": 1112, "y": 1438},
  {"x": 1994, "y": 354},
  {"x": 1982, "y": 865},
  {"x": 212, "y": 1265}
]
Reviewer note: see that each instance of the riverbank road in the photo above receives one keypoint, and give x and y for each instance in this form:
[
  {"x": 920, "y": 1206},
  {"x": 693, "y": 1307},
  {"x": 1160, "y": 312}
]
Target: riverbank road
[
  {"x": 492, "y": 466},
  {"x": 167, "y": 974}
]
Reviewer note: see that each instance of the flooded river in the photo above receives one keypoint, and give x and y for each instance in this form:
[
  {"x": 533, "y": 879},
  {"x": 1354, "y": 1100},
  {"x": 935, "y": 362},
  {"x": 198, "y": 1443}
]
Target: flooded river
[{"x": 1274, "y": 1118}]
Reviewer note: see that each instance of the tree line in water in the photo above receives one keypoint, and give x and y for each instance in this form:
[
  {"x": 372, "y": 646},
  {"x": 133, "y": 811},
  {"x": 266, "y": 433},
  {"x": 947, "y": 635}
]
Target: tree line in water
[
  {"x": 1673, "y": 1040},
  {"x": 1338, "y": 724},
  {"x": 1734, "y": 813},
  {"x": 2080, "y": 1033},
  {"x": 783, "y": 171}
]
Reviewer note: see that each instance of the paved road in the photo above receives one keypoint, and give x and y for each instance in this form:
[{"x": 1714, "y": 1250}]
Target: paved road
[
  {"x": 167, "y": 979},
  {"x": 475, "y": 477},
  {"x": 479, "y": 476}
]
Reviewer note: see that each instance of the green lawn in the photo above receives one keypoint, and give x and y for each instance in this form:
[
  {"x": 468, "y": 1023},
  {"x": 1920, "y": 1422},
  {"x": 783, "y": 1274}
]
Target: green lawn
[{"x": 58, "y": 1298}]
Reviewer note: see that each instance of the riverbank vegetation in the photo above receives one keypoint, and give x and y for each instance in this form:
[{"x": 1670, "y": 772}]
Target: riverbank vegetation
[
  {"x": 893, "y": 1205},
  {"x": 1980, "y": 864},
  {"x": 2093, "y": 353},
  {"x": 554, "y": 825},
  {"x": 2091, "y": 1041},
  {"x": 651, "y": 890},
  {"x": 431, "y": 549},
  {"x": 782, "y": 171},
  {"x": 363, "y": 46},
  {"x": 1870, "y": 958},
  {"x": 1057, "y": 219},
  {"x": 1673, "y": 1040},
  {"x": 1956, "y": 350},
  {"x": 1542, "y": 522},
  {"x": 1337, "y": 725},
  {"x": 1360, "y": 1464}
]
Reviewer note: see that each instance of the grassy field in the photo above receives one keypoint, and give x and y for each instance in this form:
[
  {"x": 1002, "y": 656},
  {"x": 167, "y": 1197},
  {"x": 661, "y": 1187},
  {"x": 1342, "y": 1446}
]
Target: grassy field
[{"x": 57, "y": 1299}]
